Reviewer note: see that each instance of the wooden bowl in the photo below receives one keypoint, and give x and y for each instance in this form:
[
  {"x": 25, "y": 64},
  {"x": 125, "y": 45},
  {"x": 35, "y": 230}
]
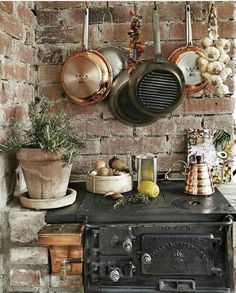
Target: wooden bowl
[{"x": 102, "y": 184}]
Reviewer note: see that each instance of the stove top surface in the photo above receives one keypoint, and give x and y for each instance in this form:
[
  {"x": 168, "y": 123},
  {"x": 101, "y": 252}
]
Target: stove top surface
[{"x": 172, "y": 204}]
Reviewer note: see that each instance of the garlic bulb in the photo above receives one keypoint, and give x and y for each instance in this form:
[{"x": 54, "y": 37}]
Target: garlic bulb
[
  {"x": 215, "y": 80},
  {"x": 224, "y": 58},
  {"x": 221, "y": 90},
  {"x": 212, "y": 53},
  {"x": 223, "y": 45},
  {"x": 224, "y": 74},
  {"x": 214, "y": 67},
  {"x": 202, "y": 64},
  {"x": 207, "y": 42}
]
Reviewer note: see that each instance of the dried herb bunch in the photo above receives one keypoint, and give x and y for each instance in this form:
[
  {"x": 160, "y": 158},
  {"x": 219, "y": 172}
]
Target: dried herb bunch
[{"x": 48, "y": 130}]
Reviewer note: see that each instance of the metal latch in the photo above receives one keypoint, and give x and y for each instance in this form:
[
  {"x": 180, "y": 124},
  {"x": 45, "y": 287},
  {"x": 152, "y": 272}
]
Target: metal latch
[{"x": 176, "y": 285}]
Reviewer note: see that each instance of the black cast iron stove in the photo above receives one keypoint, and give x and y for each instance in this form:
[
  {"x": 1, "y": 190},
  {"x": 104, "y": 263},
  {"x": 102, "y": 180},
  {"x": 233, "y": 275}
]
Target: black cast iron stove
[{"x": 174, "y": 243}]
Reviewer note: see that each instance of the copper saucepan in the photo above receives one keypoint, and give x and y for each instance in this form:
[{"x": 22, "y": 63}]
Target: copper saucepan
[
  {"x": 86, "y": 76},
  {"x": 185, "y": 58}
]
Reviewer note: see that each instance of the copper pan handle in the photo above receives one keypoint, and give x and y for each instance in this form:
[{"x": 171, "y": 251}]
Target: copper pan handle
[
  {"x": 85, "y": 29},
  {"x": 189, "y": 38}
]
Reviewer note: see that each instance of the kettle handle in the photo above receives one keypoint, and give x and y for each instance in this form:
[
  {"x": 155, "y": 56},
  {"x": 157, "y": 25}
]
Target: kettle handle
[{"x": 168, "y": 172}]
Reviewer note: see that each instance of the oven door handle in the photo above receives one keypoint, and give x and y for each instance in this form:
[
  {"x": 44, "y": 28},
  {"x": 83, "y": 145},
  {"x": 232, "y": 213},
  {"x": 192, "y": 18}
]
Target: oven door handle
[{"x": 227, "y": 221}]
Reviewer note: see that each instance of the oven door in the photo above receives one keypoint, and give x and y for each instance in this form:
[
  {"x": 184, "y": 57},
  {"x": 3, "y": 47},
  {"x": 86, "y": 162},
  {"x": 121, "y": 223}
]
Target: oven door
[{"x": 168, "y": 254}]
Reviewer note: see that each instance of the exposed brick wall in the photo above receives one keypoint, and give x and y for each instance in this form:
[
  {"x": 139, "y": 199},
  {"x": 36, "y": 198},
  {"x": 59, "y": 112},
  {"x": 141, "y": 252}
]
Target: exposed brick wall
[
  {"x": 17, "y": 81},
  {"x": 24, "y": 266},
  {"x": 59, "y": 34},
  {"x": 17, "y": 76}
]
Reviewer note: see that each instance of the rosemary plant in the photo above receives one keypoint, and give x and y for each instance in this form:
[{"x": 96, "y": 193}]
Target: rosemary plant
[{"x": 48, "y": 130}]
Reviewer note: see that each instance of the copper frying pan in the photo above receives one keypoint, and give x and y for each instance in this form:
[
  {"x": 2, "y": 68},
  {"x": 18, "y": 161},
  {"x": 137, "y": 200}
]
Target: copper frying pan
[
  {"x": 185, "y": 58},
  {"x": 86, "y": 76}
]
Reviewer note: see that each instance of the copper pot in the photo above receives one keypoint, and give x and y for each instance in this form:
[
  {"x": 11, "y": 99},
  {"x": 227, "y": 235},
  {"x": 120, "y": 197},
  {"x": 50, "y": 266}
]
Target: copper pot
[
  {"x": 198, "y": 177},
  {"x": 186, "y": 59},
  {"x": 86, "y": 76}
]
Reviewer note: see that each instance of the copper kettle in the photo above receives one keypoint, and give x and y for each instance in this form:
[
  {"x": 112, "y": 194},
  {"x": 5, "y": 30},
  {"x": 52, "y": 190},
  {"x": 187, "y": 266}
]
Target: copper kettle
[{"x": 198, "y": 177}]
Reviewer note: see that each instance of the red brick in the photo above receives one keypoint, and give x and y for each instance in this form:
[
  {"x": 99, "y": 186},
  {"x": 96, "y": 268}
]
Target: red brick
[
  {"x": 199, "y": 30},
  {"x": 117, "y": 32},
  {"x": 177, "y": 31},
  {"x": 77, "y": 111},
  {"x": 165, "y": 161},
  {"x": 7, "y": 6},
  {"x": 30, "y": 37},
  {"x": 51, "y": 91},
  {"x": 59, "y": 4},
  {"x": 227, "y": 29},
  {"x": 25, "y": 92},
  {"x": 206, "y": 106},
  {"x": 11, "y": 25},
  {"x": 74, "y": 16},
  {"x": 24, "y": 53},
  {"x": 122, "y": 15},
  {"x": 173, "y": 11},
  {"x": 49, "y": 73},
  {"x": 5, "y": 44},
  {"x": 226, "y": 12},
  {"x": 29, "y": 255},
  {"x": 48, "y": 17},
  {"x": 181, "y": 124},
  {"x": 179, "y": 144},
  {"x": 49, "y": 55},
  {"x": 163, "y": 126},
  {"x": 59, "y": 35},
  {"x": 6, "y": 92},
  {"x": 25, "y": 14},
  {"x": 6, "y": 69},
  {"x": 92, "y": 146},
  {"x": 168, "y": 49},
  {"x": 17, "y": 112},
  {"x": 23, "y": 277},
  {"x": 135, "y": 145},
  {"x": 79, "y": 126},
  {"x": 22, "y": 72},
  {"x": 218, "y": 122},
  {"x": 108, "y": 128},
  {"x": 147, "y": 32}
]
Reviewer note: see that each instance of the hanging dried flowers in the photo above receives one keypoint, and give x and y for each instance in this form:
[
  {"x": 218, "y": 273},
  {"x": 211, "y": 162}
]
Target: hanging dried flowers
[{"x": 136, "y": 47}]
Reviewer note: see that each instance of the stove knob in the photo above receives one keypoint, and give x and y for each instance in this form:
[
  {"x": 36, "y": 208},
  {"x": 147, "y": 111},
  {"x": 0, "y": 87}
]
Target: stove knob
[
  {"x": 115, "y": 275},
  {"x": 127, "y": 245},
  {"x": 146, "y": 259}
]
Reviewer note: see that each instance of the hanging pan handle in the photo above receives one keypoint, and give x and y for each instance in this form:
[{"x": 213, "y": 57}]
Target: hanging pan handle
[
  {"x": 85, "y": 29},
  {"x": 188, "y": 27},
  {"x": 156, "y": 33}
]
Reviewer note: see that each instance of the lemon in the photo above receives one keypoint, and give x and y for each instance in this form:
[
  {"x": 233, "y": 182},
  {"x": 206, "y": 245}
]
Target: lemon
[{"x": 149, "y": 188}]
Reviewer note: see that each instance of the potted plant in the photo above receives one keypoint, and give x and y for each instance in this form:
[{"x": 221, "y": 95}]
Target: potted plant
[{"x": 45, "y": 150}]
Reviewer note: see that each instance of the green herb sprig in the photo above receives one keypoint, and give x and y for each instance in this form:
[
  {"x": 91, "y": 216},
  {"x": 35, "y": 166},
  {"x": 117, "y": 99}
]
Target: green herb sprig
[{"x": 138, "y": 198}]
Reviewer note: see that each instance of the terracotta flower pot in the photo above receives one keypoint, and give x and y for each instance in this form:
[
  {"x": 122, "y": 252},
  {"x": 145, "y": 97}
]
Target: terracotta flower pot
[{"x": 44, "y": 175}]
